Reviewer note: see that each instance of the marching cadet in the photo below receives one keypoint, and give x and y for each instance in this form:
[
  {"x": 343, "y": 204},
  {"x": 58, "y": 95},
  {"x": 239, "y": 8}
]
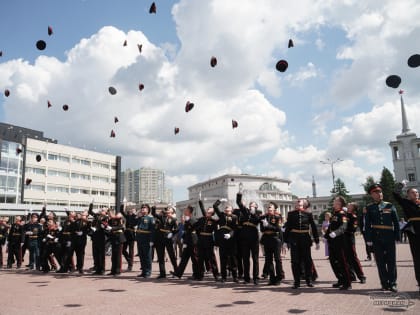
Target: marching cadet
[
  {"x": 15, "y": 241},
  {"x": 224, "y": 236},
  {"x": 411, "y": 208},
  {"x": 189, "y": 245},
  {"x": 350, "y": 240},
  {"x": 98, "y": 239},
  {"x": 166, "y": 226},
  {"x": 206, "y": 226},
  {"x": 51, "y": 245},
  {"x": 33, "y": 231},
  {"x": 271, "y": 240},
  {"x": 4, "y": 228},
  {"x": 296, "y": 234},
  {"x": 115, "y": 228},
  {"x": 79, "y": 239},
  {"x": 130, "y": 235},
  {"x": 382, "y": 231},
  {"x": 144, "y": 237},
  {"x": 249, "y": 220},
  {"x": 336, "y": 243}
]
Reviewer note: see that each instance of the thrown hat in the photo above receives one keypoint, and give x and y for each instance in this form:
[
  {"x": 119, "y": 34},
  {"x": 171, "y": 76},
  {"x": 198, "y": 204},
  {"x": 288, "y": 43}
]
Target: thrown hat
[
  {"x": 189, "y": 106},
  {"x": 125, "y": 43},
  {"x": 116, "y": 119},
  {"x": 234, "y": 124},
  {"x": 374, "y": 187},
  {"x": 38, "y": 158},
  {"x": 176, "y": 130},
  {"x": 414, "y": 61},
  {"x": 290, "y": 45},
  {"x": 140, "y": 47},
  {"x": 28, "y": 181},
  {"x": 141, "y": 86},
  {"x": 6, "y": 93},
  {"x": 65, "y": 107},
  {"x": 213, "y": 62},
  {"x": 152, "y": 8},
  {"x": 112, "y": 90},
  {"x": 50, "y": 31},
  {"x": 41, "y": 45},
  {"x": 112, "y": 134},
  {"x": 282, "y": 65},
  {"x": 18, "y": 150},
  {"x": 49, "y": 104},
  {"x": 1, "y": 53},
  {"x": 393, "y": 81}
]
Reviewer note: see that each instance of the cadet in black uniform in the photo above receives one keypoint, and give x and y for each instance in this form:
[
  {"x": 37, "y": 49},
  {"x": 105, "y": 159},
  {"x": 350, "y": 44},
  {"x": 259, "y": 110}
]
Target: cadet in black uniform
[
  {"x": 350, "y": 248},
  {"x": 51, "y": 245},
  {"x": 33, "y": 231},
  {"x": 411, "y": 208},
  {"x": 115, "y": 228},
  {"x": 382, "y": 231},
  {"x": 4, "y": 228},
  {"x": 144, "y": 236},
  {"x": 225, "y": 239},
  {"x": 15, "y": 239},
  {"x": 189, "y": 245},
  {"x": 79, "y": 239},
  {"x": 65, "y": 237},
  {"x": 249, "y": 220},
  {"x": 296, "y": 234},
  {"x": 130, "y": 235},
  {"x": 336, "y": 244},
  {"x": 166, "y": 226},
  {"x": 98, "y": 239},
  {"x": 205, "y": 227},
  {"x": 271, "y": 240}
]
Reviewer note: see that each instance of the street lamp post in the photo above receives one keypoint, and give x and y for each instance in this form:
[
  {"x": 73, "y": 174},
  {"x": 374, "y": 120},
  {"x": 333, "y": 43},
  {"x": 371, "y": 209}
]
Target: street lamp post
[{"x": 331, "y": 163}]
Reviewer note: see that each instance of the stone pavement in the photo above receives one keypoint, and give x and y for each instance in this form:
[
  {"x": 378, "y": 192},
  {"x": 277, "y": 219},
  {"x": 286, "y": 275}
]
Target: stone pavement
[{"x": 31, "y": 293}]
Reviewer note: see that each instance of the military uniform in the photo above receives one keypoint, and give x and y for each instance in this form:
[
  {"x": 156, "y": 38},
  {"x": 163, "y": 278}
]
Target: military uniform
[
  {"x": 412, "y": 213},
  {"x": 65, "y": 237},
  {"x": 249, "y": 239},
  {"x": 98, "y": 240},
  {"x": 239, "y": 256},
  {"x": 115, "y": 229},
  {"x": 15, "y": 239},
  {"x": 130, "y": 237},
  {"x": 33, "y": 232},
  {"x": 336, "y": 245},
  {"x": 271, "y": 240},
  {"x": 144, "y": 238},
  {"x": 51, "y": 247},
  {"x": 3, "y": 236},
  {"x": 382, "y": 229},
  {"x": 205, "y": 227},
  {"x": 165, "y": 228},
  {"x": 79, "y": 239},
  {"x": 350, "y": 247},
  {"x": 297, "y": 228}
]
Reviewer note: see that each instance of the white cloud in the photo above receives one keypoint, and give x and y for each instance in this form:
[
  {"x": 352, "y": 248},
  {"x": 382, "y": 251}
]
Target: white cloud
[{"x": 303, "y": 74}]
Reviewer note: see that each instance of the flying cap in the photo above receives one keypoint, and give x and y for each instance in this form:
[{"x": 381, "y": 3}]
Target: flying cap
[
  {"x": 141, "y": 86},
  {"x": 6, "y": 92},
  {"x": 112, "y": 90},
  {"x": 234, "y": 124},
  {"x": 140, "y": 47},
  {"x": 290, "y": 45},
  {"x": 18, "y": 150},
  {"x": 49, "y": 104},
  {"x": 50, "y": 31},
  {"x": 125, "y": 43},
  {"x": 112, "y": 135},
  {"x": 28, "y": 181},
  {"x": 282, "y": 65},
  {"x": 393, "y": 81},
  {"x": 38, "y": 158},
  {"x": 414, "y": 61},
  {"x": 176, "y": 130},
  {"x": 152, "y": 8},
  {"x": 213, "y": 62},
  {"x": 189, "y": 106},
  {"x": 116, "y": 119},
  {"x": 41, "y": 45},
  {"x": 65, "y": 107}
]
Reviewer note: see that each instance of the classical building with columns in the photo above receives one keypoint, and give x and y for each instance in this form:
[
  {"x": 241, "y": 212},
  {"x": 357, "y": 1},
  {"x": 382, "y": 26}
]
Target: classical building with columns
[
  {"x": 406, "y": 152},
  {"x": 261, "y": 189}
]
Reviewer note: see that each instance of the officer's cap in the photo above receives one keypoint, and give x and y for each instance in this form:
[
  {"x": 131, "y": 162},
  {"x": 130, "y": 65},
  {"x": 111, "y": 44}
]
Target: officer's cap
[{"x": 374, "y": 187}]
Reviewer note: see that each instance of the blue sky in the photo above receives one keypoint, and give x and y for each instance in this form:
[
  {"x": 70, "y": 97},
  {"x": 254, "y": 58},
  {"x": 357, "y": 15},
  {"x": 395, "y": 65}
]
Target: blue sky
[{"x": 331, "y": 102}]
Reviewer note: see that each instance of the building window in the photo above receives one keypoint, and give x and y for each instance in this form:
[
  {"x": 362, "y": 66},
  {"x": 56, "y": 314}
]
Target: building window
[
  {"x": 80, "y": 176},
  {"x": 396, "y": 153},
  {"x": 58, "y": 189},
  {"x": 411, "y": 177},
  {"x": 58, "y": 173}
]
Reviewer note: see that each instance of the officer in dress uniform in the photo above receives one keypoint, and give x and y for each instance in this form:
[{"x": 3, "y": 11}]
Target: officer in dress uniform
[
  {"x": 144, "y": 237},
  {"x": 411, "y": 208},
  {"x": 249, "y": 220},
  {"x": 33, "y": 231},
  {"x": 296, "y": 234},
  {"x": 79, "y": 239},
  {"x": 115, "y": 228},
  {"x": 336, "y": 243},
  {"x": 271, "y": 240},
  {"x": 206, "y": 226},
  {"x": 15, "y": 240},
  {"x": 97, "y": 227},
  {"x": 130, "y": 235},
  {"x": 51, "y": 245},
  {"x": 382, "y": 231},
  {"x": 189, "y": 245},
  {"x": 4, "y": 228},
  {"x": 350, "y": 240},
  {"x": 225, "y": 239},
  {"x": 166, "y": 226}
]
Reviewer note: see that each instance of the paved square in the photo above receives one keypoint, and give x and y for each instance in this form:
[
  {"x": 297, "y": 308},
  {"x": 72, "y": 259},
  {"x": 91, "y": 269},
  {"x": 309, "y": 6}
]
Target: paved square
[{"x": 31, "y": 293}]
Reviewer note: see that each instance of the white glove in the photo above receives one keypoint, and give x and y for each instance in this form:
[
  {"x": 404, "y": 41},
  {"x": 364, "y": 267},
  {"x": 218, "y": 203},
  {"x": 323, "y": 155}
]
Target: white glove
[
  {"x": 369, "y": 243},
  {"x": 252, "y": 211},
  {"x": 184, "y": 246},
  {"x": 29, "y": 233},
  {"x": 223, "y": 200},
  {"x": 265, "y": 223},
  {"x": 283, "y": 229},
  {"x": 56, "y": 240},
  {"x": 332, "y": 235},
  {"x": 50, "y": 236},
  {"x": 93, "y": 228},
  {"x": 151, "y": 244},
  {"x": 44, "y": 240},
  {"x": 80, "y": 233},
  {"x": 317, "y": 246},
  {"x": 109, "y": 228},
  {"x": 102, "y": 226},
  {"x": 187, "y": 218},
  {"x": 60, "y": 228},
  {"x": 68, "y": 244},
  {"x": 199, "y": 195},
  {"x": 227, "y": 236},
  {"x": 169, "y": 236}
]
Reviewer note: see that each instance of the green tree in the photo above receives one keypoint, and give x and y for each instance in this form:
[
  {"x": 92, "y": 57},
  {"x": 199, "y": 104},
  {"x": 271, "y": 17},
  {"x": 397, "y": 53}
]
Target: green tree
[
  {"x": 388, "y": 183},
  {"x": 338, "y": 190},
  {"x": 367, "y": 198}
]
